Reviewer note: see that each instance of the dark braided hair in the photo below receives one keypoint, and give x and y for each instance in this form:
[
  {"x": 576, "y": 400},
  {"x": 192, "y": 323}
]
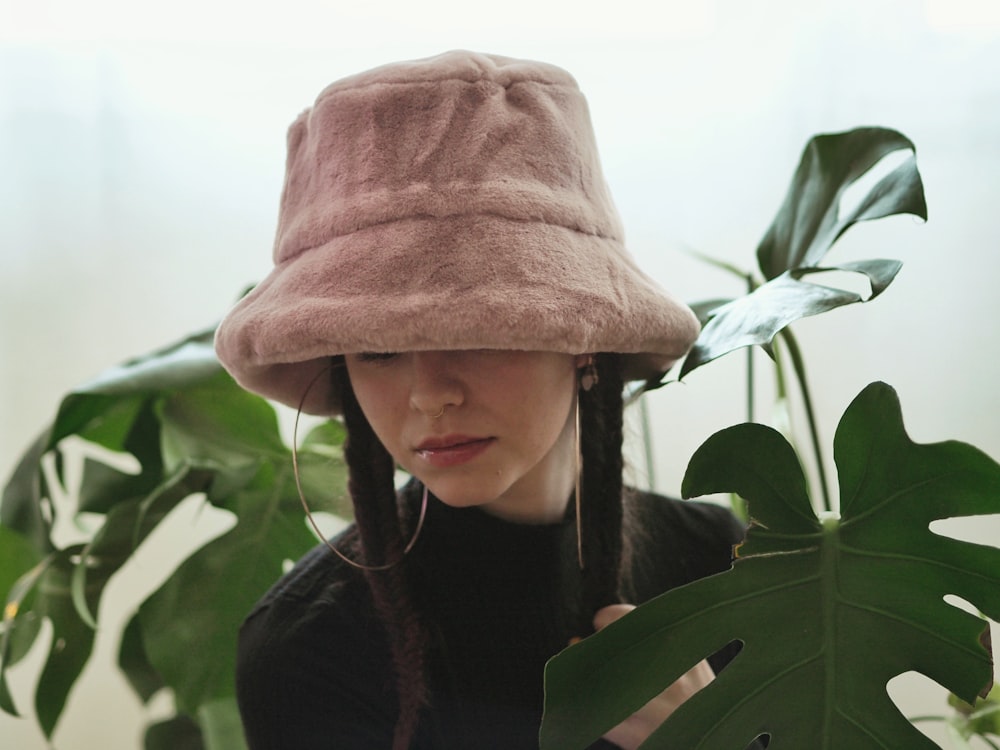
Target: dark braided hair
[
  {"x": 601, "y": 514},
  {"x": 376, "y": 513},
  {"x": 381, "y": 538}
]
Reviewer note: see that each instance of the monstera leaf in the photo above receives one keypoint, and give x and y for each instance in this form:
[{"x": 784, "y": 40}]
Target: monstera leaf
[
  {"x": 815, "y": 213},
  {"x": 827, "y": 610},
  {"x": 190, "y": 429}
]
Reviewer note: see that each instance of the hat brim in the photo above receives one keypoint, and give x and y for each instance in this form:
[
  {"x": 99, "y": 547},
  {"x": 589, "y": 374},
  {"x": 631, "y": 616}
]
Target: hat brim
[{"x": 416, "y": 285}]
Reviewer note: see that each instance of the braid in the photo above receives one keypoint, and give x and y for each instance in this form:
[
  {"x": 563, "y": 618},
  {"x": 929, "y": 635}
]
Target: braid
[
  {"x": 376, "y": 513},
  {"x": 602, "y": 507}
]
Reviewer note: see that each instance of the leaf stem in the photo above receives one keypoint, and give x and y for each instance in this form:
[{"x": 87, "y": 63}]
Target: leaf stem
[
  {"x": 647, "y": 443},
  {"x": 798, "y": 365},
  {"x": 750, "y": 372}
]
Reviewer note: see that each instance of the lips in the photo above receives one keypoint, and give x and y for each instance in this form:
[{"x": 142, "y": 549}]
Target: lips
[{"x": 452, "y": 450}]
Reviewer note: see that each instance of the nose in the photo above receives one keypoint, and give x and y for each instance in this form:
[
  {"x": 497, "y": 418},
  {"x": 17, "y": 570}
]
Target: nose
[{"x": 435, "y": 383}]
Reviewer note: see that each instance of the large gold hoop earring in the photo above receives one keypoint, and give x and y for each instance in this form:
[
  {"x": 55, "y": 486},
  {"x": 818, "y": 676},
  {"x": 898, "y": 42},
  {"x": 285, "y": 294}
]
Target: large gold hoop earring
[
  {"x": 305, "y": 505},
  {"x": 587, "y": 379}
]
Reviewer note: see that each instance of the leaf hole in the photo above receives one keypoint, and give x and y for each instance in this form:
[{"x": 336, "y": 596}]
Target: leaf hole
[
  {"x": 960, "y": 603},
  {"x": 186, "y": 529},
  {"x": 984, "y": 529},
  {"x": 724, "y": 657},
  {"x": 126, "y": 463},
  {"x": 329, "y": 524},
  {"x": 919, "y": 697},
  {"x": 857, "y": 283},
  {"x": 856, "y": 192}
]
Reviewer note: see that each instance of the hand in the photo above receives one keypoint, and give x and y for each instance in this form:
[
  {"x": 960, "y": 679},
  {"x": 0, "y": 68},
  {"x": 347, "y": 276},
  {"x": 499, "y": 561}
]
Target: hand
[{"x": 635, "y": 729}]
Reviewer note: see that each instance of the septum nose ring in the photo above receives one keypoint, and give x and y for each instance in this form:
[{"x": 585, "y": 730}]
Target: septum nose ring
[{"x": 439, "y": 414}]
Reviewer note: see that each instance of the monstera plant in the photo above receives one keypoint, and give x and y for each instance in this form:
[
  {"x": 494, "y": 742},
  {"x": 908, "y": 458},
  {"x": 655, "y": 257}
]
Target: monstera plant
[
  {"x": 192, "y": 431},
  {"x": 828, "y": 601},
  {"x": 828, "y": 606}
]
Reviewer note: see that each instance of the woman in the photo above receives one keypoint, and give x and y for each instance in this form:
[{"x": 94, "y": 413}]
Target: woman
[{"x": 450, "y": 277}]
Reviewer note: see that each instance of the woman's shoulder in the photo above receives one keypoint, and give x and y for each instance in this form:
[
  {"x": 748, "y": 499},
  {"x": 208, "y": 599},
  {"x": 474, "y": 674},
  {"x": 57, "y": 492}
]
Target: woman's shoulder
[
  {"x": 318, "y": 573},
  {"x": 318, "y": 595},
  {"x": 700, "y": 518},
  {"x": 320, "y": 610},
  {"x": 312, "y": 647}
]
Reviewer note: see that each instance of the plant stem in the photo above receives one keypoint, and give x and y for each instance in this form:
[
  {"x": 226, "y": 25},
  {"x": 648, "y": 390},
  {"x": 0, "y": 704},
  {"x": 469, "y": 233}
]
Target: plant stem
[
  {"x": 750, "y": 373},
  {"x": 647, "y": 443},
  {"x": 798, "y": 365}
]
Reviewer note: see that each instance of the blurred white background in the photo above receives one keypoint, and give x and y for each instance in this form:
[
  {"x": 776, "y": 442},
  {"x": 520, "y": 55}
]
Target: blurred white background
[{"x": 141, "y": 159}]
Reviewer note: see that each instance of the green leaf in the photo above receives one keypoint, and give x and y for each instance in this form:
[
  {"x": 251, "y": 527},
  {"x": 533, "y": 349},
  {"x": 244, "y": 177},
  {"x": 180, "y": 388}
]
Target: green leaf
[
  {"x": 811, "y": 218},
  {"x": 99, "y": 418},
  {"x": 982, "y": 717},
  {"x": 221, "y": 725},
  {"x": 20, "y": 623},
  {"x": 176, "y": 733},
  {"x": 128, "y": 522},
  {"x": 103, "y": 410},
  {"x": 323, "y": 472},
  {"x": 218, "y": 421},
  {"x": 174, "y": 367},
  {"x": 192, "y": 430},
  {"x": 217, "y": 586},
  {"x": 827, "y": 611},
  {"x": 114, "y": 411},
  {"x": 17, "y": 557},
  {"x": 106, "y": 411},
  {"x": 20, "y": 570},
  {"x": 705, "y": 309},
  {"x": 111, "y": 546},
  {"x": 72, "y": 638},
  {"x": 187, "y": 479},
  {"x": 758, "y": 317},
  {"x": 102, "y": 486},
  {"x": 22, "y": 505},
  {"x": 6, "y": 699},
  {"x": 134, "y": 663}
]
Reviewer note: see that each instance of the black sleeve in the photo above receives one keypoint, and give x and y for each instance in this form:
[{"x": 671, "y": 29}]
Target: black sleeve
[
  {"x": 313, "y": 675},
  {"x": 675, "y": 542}
]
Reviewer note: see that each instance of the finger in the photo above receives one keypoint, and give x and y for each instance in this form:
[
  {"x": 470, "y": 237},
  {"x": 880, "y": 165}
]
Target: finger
[
  {"x": 634, "y": 730},
  {"x": 700, "y": 675},
  {"x": 607, "y": 615}
]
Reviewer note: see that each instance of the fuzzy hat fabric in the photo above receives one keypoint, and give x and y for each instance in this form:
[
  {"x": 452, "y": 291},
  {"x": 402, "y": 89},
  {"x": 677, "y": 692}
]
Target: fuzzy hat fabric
[{"x": 455, "y": 202}]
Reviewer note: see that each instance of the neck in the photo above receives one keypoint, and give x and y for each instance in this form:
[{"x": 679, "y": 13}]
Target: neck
[{"x": 549, "y": 509}]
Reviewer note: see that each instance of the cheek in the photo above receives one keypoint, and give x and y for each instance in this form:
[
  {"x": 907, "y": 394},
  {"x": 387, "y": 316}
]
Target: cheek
[
  {"x": 546, "y": 409},
  {"x": 380, "y": 417},
  {"x": 377, "y": 403}
]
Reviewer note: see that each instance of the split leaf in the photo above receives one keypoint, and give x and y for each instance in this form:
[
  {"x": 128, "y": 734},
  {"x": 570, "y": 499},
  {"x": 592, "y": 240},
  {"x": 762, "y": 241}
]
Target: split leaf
[
  {"x": 828, "y": 611},
  {"x": 818, "y": 208}
]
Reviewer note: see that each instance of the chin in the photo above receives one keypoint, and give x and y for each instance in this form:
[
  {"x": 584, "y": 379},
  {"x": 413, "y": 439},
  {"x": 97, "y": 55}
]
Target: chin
[{"x": 455, "y": 495}]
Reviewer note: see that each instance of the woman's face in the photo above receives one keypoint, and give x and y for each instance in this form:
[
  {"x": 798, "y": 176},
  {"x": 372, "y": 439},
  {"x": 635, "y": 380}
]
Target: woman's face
[{"x": 504, "y": 441}]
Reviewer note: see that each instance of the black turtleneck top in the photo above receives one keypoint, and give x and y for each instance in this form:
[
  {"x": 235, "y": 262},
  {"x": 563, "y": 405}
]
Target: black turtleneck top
[{"x": 499, "y": 599}]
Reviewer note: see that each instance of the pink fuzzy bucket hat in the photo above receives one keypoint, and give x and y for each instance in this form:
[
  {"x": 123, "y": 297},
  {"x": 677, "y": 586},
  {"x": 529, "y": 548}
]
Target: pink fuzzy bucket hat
[{"x": 455, "y": 202}]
